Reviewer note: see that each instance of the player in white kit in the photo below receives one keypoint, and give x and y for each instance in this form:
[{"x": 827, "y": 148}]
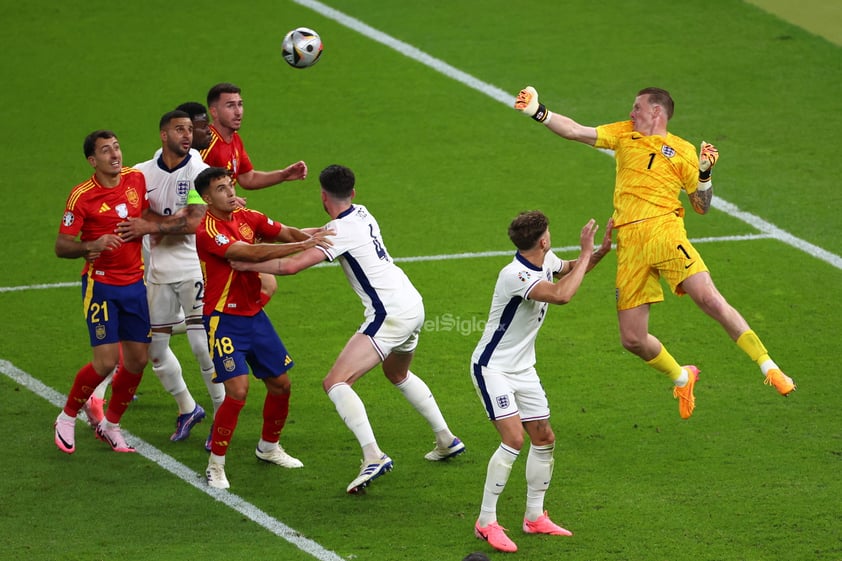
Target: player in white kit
[
  {"x": 503, "y": 368},
  {"x": 174, "y": 278},
  {"x": 394, "y": 315}
]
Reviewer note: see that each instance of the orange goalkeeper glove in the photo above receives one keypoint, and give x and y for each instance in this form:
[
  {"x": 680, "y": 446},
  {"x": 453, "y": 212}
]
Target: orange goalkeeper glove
[
  {"x": 527, "y": 102},
  {"x": 707, "y": 159}
]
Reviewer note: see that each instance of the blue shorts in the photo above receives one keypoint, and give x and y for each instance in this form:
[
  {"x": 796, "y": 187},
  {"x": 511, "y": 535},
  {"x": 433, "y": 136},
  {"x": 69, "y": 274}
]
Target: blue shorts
[
  {"x": 115, "y": 313},
  {"x": 237, "y": 342}
]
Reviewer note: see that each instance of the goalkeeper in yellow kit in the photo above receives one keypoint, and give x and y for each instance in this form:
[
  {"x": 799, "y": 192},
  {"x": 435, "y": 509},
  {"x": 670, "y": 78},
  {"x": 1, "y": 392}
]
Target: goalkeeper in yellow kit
[{"x": 653, "y": 166}]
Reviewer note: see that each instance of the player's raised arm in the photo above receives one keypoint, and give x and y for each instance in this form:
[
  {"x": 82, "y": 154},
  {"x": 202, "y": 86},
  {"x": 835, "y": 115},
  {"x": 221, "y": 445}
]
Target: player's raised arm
[
  {"x": 528, "y": 104},
  {"x": 562, "y": 291},
  {"x": 701, "y": 198}
]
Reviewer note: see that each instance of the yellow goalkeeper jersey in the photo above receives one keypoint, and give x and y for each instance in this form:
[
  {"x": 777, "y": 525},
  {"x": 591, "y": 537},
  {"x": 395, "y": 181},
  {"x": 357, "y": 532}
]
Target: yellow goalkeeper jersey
[{"x": 651, "y": 171}]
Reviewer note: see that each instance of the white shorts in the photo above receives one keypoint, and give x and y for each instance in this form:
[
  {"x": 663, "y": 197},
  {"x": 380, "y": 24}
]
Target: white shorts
[
  {"x": 394, "y": 334},
  {"x": 505, "y": 394},
  {"x": 170, "y": 304}
]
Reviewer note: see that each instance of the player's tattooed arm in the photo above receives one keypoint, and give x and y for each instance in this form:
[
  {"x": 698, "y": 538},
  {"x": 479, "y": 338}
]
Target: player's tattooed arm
[{"x": 701, "y": 200}]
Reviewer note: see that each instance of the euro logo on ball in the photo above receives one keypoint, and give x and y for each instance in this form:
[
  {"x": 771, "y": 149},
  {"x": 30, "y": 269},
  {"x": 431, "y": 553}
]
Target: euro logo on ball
[{"x": 301, "y": 47}]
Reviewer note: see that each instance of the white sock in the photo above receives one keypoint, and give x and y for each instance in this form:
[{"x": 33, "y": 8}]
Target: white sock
[
  {"x": 419, "y": 395},
  {"x": 165, "y": 365},
  {"x": 214, "y": 459},
  {"x": 539, "y": 472},
  {"x": 198, "y": 338},
  {"x": 767, "y": 366},
  {"x": 499, "y": 469},
  {"x": 352, "y": 411},
  {"x": 682, "y": 380},
  {"x": 265, "y": 445}
]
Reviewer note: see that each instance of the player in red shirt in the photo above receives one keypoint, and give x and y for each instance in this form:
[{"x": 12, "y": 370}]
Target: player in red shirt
[
  {"x": 113, "y": 291},
  {"x": 239, "y": 331},
  {"x": 226, "y": 150}
]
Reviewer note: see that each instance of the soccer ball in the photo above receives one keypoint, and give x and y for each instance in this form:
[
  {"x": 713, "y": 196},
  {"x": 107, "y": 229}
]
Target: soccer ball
[{"x": 302, "y": 47}]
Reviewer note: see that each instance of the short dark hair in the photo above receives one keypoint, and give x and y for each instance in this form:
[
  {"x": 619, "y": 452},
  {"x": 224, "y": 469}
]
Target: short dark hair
[
  {"x": 169, "y": 116},
  {"x": 337, "y": 180},
  {"x": 527, "y": 228},
  {"x": 203, "y": 180},
  {"x": 193, "y": 109},
  {"x": 476, "y": 556},
  {"x": 658, "y": 96},
  {"x": 89, "y": 146},
  {"x": 216, "y": 91}
]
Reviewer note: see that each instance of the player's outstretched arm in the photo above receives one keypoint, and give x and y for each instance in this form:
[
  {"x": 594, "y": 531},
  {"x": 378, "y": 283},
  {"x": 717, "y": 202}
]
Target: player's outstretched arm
[
  {"x": 528, "y": 104},
  {"x": 184, "y": 221},
  {"x": 292, "y": 234},
  {"x": 260, "y": 179},
  {"x": 284, "y": 266}
]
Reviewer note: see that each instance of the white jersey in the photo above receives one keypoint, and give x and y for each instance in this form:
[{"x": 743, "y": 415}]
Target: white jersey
[
  {"x": 172, "y": 258},
  {"x": 508, "y": 342},
  {"x": 381, "y": 285}
]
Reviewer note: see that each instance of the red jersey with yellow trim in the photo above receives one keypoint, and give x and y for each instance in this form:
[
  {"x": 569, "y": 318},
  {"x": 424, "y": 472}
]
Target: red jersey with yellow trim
[
  {"x": 229, "y": 155},
  {"x": 651, "y": 171},
  {"x": 226, "y": 290},
  {"x": 93, "y": 210}
]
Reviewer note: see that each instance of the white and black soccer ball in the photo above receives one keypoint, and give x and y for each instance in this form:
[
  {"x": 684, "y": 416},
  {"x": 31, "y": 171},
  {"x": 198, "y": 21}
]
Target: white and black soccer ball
[{"x": 302, "y": 47}]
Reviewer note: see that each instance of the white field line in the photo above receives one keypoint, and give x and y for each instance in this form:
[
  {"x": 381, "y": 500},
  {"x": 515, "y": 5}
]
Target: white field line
[
  {"x": 181, "y": 471},
  {"x": 508, "y": 99},
  {"x": 418, "y": 258}
]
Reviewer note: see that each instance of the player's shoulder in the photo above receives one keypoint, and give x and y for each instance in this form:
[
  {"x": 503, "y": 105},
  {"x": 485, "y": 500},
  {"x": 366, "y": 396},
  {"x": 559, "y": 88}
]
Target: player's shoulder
[
  {"x": 680, "y": 143},
  {"x": 519, "y": 272},
  {"x": 132, "y": 176},
  {"x": 146, "y": 166},
  {"x": 616, "y": 129},
  {"x": 80, "y": 190},
  {"x": 196, "y": 163}
]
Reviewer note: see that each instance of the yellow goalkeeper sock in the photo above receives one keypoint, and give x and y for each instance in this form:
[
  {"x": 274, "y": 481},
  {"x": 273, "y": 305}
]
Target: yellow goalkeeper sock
[
  {"x": 751, "y": 345},
  {"x": 665, "y": 363}
]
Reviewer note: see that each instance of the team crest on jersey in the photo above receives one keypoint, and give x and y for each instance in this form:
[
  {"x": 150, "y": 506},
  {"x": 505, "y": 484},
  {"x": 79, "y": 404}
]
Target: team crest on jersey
[
  {"x": 68, "y": 218},
  {"x": 182, "y": 186},
  {"x": 524, "y": 276},
  {"x": 221, "y": 239},
  {"x": 502, "y": 401},
  {"x": 229, "y": 364},
  {"x": 122, "y": 210},
  {"x": 667, "y": 151},
  {"x": 132, "y": 196},
  {"x": 246, "y": 232},
  {"x": 99, "y": 332}
]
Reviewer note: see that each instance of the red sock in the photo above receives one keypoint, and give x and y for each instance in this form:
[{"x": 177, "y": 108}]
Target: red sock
[
  {"x": 123, "y": 387},
  {"x": 224, "y": 423},
  {"x": 84, "y": 385},
  {"x": 275, "y": 411}
]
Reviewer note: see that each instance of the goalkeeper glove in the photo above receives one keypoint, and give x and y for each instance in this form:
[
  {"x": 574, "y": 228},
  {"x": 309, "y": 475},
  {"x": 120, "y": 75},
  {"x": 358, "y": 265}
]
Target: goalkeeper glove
[
  {"x": 707, "y": 159},
  {"x": 527, "y": 102}
]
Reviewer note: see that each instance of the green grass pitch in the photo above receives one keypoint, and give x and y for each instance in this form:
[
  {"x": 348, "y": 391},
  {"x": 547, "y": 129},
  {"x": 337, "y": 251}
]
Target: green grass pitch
[{"x": 444, "y": 166}]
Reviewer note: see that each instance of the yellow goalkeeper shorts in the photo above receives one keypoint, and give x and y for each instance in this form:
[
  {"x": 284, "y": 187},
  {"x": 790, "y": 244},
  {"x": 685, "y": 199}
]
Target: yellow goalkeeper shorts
[{"x": 648, "y": 251}]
